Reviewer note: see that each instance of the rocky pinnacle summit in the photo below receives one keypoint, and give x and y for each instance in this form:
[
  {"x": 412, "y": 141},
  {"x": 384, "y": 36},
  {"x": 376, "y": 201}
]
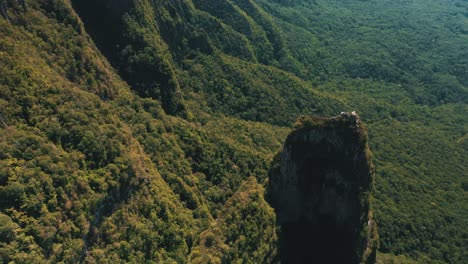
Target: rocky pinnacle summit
[{"x": 320, "y": 187}]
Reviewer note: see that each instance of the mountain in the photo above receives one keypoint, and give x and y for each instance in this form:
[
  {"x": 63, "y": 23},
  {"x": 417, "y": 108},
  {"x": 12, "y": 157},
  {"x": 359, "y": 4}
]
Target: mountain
[
  {"x": 143, "y": 131},
  {"x": 321, "y": 187}
]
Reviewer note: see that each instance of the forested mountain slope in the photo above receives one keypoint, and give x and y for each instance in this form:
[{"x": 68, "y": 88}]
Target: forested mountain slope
[
  {"x": 91, "y": 172},
  {"x": 130, "y": 129}
]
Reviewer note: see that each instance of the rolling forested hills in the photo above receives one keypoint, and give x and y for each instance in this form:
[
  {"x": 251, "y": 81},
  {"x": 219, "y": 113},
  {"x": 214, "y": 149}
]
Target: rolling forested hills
[{"x": 142, "y": 131}]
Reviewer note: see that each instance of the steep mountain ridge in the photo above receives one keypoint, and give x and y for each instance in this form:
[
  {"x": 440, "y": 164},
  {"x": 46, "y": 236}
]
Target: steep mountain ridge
[
  {"x": 131, "y": 39},
  {"x": 159, "y": 51},
  {"x": 91, "y": 172}
]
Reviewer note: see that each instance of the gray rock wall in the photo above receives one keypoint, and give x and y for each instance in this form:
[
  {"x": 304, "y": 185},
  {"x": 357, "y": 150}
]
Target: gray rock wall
[{"x": 320, "y": 187}]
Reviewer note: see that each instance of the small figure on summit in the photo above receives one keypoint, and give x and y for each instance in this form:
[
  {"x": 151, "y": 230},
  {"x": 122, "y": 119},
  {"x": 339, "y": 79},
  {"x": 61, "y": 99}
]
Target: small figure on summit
[{"x": 353, "y": 115}]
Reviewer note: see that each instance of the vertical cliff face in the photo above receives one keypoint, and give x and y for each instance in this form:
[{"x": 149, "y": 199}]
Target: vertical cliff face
[{"x": 320, "y": 186}]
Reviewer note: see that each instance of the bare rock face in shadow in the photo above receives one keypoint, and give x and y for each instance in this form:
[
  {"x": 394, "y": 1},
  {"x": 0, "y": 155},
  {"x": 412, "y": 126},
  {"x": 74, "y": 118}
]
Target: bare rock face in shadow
[{"x": 320, "y": 186}]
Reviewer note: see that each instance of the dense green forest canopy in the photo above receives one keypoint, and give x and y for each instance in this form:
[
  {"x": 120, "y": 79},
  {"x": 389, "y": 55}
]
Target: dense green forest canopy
[{"x": 143, "y": 130}]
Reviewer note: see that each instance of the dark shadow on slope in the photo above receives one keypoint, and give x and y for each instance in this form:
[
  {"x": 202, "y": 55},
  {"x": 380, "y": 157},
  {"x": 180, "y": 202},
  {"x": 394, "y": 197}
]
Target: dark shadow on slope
[
  {"x": 123, "y": 36},
  {"x": 102, "y": 20}
]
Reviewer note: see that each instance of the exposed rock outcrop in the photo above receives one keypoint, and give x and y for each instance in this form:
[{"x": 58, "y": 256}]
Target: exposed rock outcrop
[{"x": 320, "y": 186}]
